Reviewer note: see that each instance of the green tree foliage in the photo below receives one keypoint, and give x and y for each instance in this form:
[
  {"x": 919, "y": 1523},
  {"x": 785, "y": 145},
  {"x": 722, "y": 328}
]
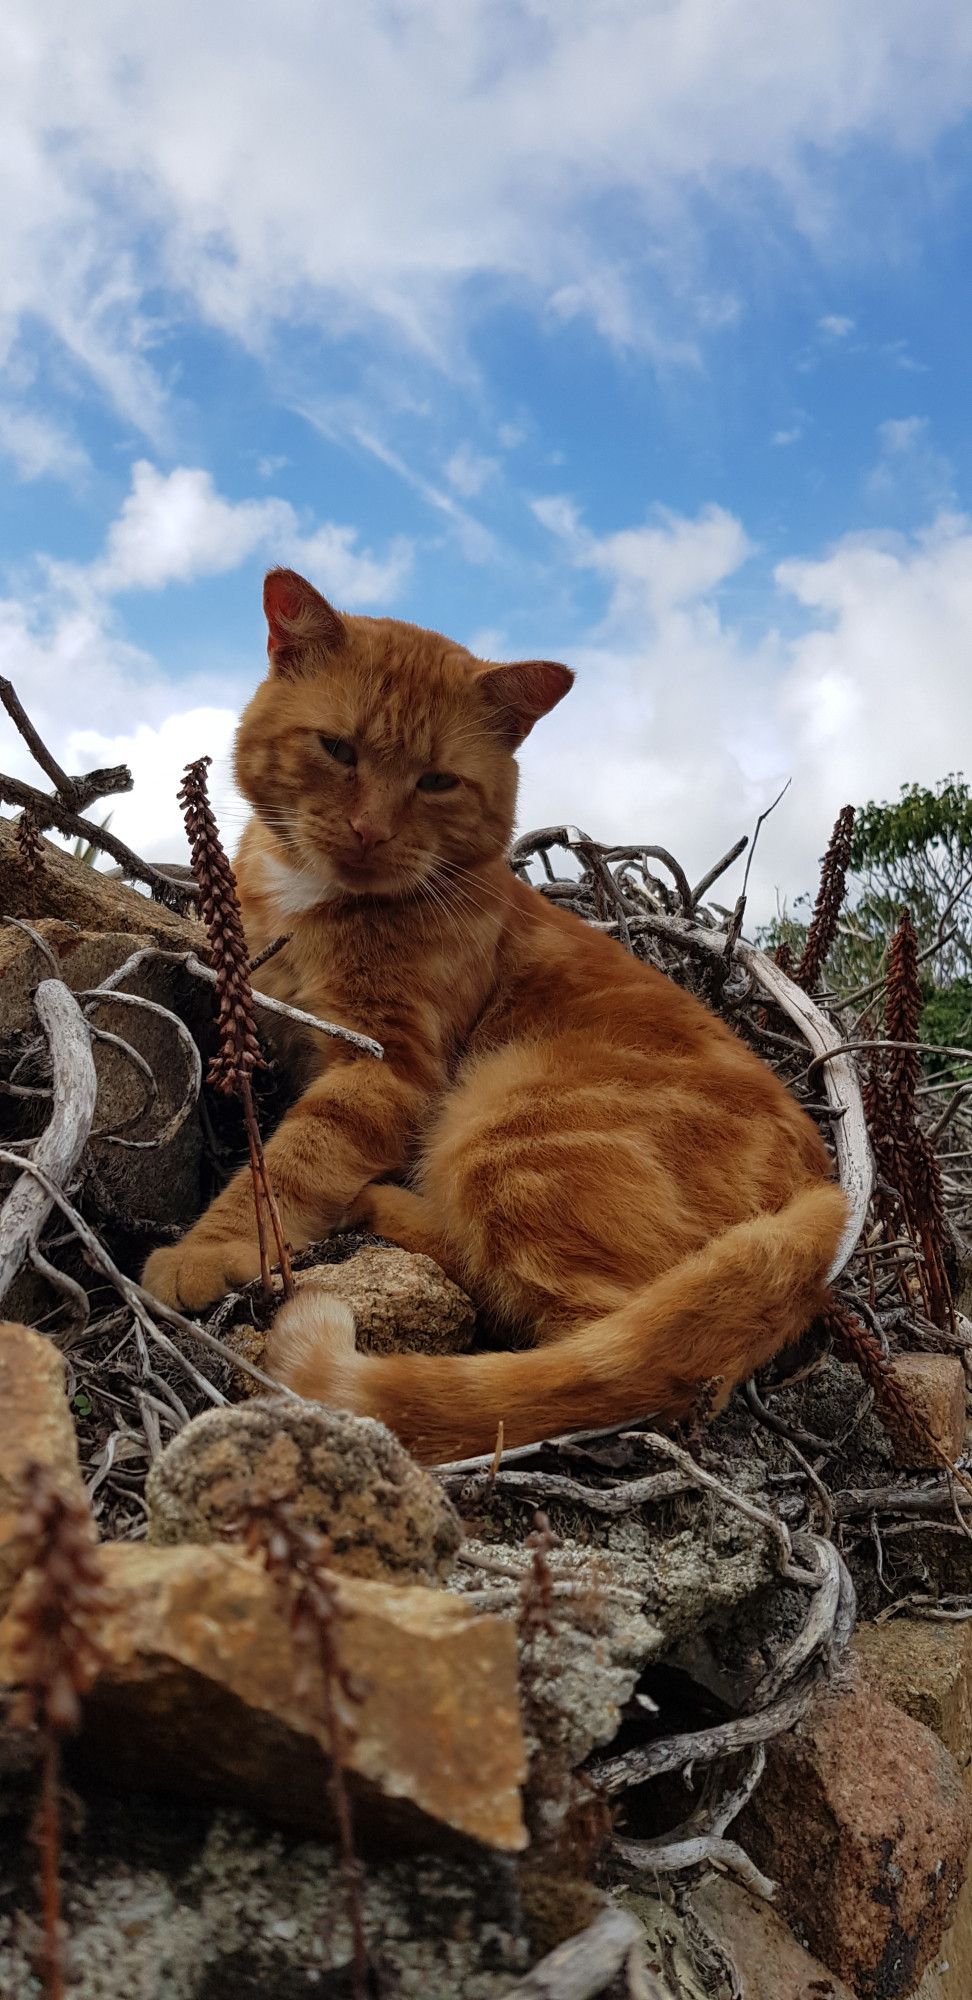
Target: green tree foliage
[
  {"x": 913, "y": 853},
  {"x": 917, "y": 853}
]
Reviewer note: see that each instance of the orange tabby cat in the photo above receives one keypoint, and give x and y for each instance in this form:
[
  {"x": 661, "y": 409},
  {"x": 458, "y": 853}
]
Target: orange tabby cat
[{"x": 583, "y": 1146}]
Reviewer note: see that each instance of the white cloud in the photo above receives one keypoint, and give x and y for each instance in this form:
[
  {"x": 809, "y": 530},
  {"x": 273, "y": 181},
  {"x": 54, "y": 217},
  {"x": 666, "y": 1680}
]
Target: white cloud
[
  {"x": 350, "y": 164},
  {"x": 174, "y": 527},
  {"x": 787, "y": 437},
  {"x": 38, "y": 447},
  {"x": 681, "y": 729},
  {"x": 149, "y": 817},
  {"x": 837, "y": 325},
  {"x": 667, "y": 562},
  {"x": 909, "y": 469},
  {"x": 469, "y": 471}
]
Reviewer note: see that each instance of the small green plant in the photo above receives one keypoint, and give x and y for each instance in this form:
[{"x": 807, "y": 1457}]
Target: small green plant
[{"x": 85, "y": 851}]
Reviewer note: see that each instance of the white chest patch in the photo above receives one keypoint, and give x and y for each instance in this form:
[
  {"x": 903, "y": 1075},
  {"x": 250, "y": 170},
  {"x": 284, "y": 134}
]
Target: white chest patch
[{"x": 294, "y": 890}]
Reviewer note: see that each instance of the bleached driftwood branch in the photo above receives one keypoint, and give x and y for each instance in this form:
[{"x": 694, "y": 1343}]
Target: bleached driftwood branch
[
  {"x": 60, "y": 1146},
  {"x": 587, "y": 1963}
]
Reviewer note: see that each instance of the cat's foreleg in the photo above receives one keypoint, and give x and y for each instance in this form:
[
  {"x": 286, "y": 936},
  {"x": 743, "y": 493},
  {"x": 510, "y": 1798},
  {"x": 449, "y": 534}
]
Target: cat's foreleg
[
  {"x": 352, "y": 1124},
  {"x": 407, "y": 1219}
]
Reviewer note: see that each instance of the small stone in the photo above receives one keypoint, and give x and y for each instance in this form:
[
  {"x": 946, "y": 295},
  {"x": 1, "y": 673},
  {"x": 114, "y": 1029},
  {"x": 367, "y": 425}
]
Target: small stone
[
  {"x": 935, "y": 1387},
  {"x": 346, "y": 1476},
  {"x": 862, "y": 1818},
  {"x": 401, "y": 1301},
  {"x": 925, "y": 1668},
  {"x": 200, "y": 1690},
  {"x": 35, "y": 1426}
]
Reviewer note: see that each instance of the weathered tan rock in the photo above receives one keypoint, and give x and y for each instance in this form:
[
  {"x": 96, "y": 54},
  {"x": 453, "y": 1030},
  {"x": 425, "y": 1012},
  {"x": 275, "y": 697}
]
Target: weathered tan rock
[
  {"x": 935, "y": 1387},
  {"x": 862, "y": 1818},
  {"x": 35, "y": 1425},
  {"x": 383, "y": 1515},
  {"x": 201, "y": 1691},
  {"x": 66, "y": 888},
  {"x": 925, "y": 1669},
  {"x": 771, "y": 1963},
  {"x": 402, "y": 1302}
]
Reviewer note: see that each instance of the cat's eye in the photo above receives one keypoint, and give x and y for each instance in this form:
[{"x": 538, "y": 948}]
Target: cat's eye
[
  {"x": 437, "y": 781},
  {"x": 340, "y": 749}
]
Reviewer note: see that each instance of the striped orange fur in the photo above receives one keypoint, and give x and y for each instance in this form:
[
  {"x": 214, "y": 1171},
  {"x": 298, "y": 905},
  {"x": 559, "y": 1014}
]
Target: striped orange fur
[{"x": 590, "y": 1152}]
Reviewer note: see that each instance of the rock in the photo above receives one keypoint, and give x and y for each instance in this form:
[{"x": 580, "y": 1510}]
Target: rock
[
  {"x": 402, "y": 1302},
  {"x": 35, "y": 1425},
  {"x": 863, "y": 1820},
  {"x": 925, "y": 1668},
  {"x": 580, "y": 1675},
  {"x": 935, "y": 1387},
  {"x": 771, "y": 1964},
  {"x": 161, "y": 1183},
  {"x": 164, "y": 1900},
  {"x": 346, "y": 1476},
  {"x": 200, "y": 1690},
  {"x": 66, "y": 888},
  {"x": 949, "y": 1977}
]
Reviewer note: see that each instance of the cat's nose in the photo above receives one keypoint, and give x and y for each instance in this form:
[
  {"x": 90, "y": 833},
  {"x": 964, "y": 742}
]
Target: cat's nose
[{"x": 366, "y": 834}]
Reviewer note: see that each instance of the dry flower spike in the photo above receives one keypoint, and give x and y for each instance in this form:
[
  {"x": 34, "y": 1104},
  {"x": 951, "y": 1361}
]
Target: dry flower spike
[
  {"x": 296, "y": 1558},
  {"x": 830, "y": 897},
  {"x": 61, "y": 1600},
  {"x": 239, "y": 1052}
]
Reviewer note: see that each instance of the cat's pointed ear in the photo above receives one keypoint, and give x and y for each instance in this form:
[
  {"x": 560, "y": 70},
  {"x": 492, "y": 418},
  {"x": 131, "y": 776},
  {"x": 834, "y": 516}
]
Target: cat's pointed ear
[
  {"x": 519, "y": 694},
  {"x": 299, "y": 619}
]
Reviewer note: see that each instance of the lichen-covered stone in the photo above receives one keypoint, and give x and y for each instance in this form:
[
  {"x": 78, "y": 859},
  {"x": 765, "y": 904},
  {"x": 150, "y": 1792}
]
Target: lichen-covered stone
[
  {"x": 176, "y": 1902},
  {"x": 346, "y": 1476},
  {"x": 35, "y": 1426},
  {"x": 202, "y": 1689}
]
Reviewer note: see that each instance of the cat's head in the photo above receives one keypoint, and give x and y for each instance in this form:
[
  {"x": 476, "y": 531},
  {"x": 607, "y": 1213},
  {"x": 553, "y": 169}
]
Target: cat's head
[{"x": 381, "y": 755}]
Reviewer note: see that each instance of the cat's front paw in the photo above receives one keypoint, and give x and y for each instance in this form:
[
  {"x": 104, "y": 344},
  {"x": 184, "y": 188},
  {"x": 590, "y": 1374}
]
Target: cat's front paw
[{"x": 191, "y": 1275}]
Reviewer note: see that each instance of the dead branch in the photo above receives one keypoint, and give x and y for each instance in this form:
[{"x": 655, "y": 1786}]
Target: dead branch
[
  {"x": 700, "y": 1746},
  {"x": 549, "y": 1487},
  {"x": 586, "y": 1964},
  {"x": 75, "y": 793},
  {"x": 59, "y": 1148},
  {"x": 676, "y": 1857},
  {"x": 141, "y": 1302},
  {"x": 264, "y": 1001}
]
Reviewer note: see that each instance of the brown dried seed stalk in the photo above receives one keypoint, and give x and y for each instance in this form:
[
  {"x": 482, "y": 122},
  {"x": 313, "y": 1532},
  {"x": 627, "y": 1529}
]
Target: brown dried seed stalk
[
  {"x": 297, "y": 1558},
  {"x": 60, "y": 1601},
  {"x": 536, "y": 1593},
  {"x": 830, "y": 896},
  {"x": 239, "y": 1052},
  {"x": 856, "y": 1343},
  {"x": 905, "y": 1157},
  {"x": 30, "y": 848}
]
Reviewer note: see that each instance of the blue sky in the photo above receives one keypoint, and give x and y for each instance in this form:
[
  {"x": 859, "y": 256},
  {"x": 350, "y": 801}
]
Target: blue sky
[{"x": 631, "y": 334}]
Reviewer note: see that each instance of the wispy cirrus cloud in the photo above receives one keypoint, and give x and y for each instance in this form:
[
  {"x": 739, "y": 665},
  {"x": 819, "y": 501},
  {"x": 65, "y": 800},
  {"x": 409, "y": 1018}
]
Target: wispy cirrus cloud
[{"x": 393, "y": 166}]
